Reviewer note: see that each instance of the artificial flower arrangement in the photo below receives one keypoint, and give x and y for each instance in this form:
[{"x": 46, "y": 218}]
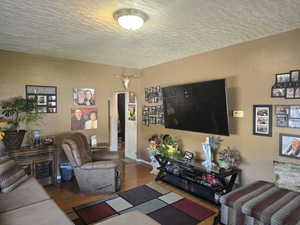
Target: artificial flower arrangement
[
  {"x": 229, "y": 158},
  {"x": 3, "y": 125},
  {"x": 165, "y": 145}
]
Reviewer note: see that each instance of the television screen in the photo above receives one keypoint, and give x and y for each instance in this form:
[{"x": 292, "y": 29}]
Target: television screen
[{"x": 200, "y": 107}]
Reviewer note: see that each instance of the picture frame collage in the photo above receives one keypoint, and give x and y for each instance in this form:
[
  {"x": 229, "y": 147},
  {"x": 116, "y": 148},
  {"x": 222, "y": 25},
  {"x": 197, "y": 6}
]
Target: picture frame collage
[
  {"x": 153, "y": 94},
  {"x": 153, "y": 115},
  {"x": 287, "y": 116},
  {"x": 287, "y": 85},
  {"x": 44, "y": 96}
]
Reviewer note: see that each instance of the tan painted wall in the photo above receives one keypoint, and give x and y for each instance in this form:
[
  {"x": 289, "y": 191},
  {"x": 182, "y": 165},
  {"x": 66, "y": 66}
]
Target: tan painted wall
[
  {"x": 249, "y": 69},
  {"x": 17, "y": 70}
]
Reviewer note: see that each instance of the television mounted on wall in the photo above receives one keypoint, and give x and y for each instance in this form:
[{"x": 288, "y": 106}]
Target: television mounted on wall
[{"x": 200, "y": 107}]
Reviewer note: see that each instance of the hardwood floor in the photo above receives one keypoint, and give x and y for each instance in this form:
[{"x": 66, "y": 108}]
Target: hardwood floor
[{"x": 67, "y": 194}]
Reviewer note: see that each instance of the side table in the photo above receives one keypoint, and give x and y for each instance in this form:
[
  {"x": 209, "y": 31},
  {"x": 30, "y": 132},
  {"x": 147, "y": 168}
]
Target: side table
[{"x": 40, "y": 162}]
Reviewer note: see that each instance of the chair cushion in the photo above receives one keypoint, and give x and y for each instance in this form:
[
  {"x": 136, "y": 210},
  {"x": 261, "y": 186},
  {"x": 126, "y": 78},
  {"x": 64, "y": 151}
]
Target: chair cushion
[
  {"x": 105, "y": 155},
  {"x": 132, "y": 218},
  {"x": 99, "y": 165},
  {"x": 42, "y": 213},
  {"x": 25, "y": 194}
]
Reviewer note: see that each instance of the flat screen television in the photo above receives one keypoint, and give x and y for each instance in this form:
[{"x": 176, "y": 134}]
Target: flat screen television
[{"x": 200, "y": 107}]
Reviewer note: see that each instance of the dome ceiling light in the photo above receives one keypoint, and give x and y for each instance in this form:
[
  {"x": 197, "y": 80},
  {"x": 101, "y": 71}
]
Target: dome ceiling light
[{"x": 130, "y": 19}]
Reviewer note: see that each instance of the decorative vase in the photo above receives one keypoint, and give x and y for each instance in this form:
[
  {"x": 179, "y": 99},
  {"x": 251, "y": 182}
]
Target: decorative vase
[{"x": 13, "y": 139}]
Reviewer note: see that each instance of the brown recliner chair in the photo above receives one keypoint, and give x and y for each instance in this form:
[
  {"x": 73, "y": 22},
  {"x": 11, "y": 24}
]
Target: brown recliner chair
[{"x": 97, "y": 172}]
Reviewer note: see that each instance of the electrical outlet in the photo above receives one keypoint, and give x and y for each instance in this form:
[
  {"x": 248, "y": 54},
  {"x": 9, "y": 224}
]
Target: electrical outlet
[{"x": 238, "y": 114}]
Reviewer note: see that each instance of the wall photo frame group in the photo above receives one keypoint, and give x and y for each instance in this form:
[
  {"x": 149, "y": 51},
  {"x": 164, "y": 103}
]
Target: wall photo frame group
[
  {"x": 262, "y": 120},
  {"x": 287, "y": 116},
  {"x": 287, "y": 85},
  {"x": 153, "y": 94},
  {"x": 44, "y": 96},
  {"x": 153, "y": 115}
]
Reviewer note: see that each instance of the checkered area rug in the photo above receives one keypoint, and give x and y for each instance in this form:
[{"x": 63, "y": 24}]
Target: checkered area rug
[{"x": 167, "y": 208}]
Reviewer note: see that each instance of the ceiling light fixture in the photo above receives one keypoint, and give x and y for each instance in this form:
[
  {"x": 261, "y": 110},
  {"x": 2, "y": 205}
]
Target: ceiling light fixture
[{"x": 130, "y": 19}]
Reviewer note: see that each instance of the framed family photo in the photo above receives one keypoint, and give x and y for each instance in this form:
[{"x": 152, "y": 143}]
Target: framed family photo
[
  {"x": 84, "y": 96},
  {"x": 262, "y": 120},
  {"x": 289, "y": 145}
]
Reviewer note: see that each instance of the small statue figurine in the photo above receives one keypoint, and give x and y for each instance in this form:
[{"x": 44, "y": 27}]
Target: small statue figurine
[{"x": 211, "y": 143}]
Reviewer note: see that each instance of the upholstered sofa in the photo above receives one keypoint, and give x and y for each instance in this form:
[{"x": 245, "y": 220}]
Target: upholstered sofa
[
  {"x": 260, "y": 203},
  {"x": 29, "y": 204}
]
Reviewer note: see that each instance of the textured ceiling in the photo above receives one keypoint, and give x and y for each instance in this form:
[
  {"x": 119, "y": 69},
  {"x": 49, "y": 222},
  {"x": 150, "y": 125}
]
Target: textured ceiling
[{"x": 85, "y": 30}]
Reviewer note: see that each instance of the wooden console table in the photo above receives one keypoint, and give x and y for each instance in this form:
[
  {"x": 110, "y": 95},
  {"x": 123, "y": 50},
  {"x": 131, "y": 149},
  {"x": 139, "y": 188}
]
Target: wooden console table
[{"x": 40, "y": 162}]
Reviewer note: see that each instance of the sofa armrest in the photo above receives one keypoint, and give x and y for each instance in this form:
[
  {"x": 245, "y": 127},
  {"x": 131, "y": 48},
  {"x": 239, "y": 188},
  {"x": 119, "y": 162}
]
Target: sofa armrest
[{"x": 99, "y": 165}]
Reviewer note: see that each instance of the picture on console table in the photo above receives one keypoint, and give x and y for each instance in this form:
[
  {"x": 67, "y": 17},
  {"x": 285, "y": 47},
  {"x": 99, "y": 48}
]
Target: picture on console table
[
  {"x": 262, "y": 120},
  {"x": 83, "y": 118},
  {"x": 289, "y": 145}
]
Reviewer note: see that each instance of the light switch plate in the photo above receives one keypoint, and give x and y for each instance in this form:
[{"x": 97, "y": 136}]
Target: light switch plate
[{"x": 238, "y": 114}]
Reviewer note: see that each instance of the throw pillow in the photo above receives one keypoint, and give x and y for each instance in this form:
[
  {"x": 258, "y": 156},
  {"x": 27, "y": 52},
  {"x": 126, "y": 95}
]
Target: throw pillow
[{"x": 11, "y": 175}]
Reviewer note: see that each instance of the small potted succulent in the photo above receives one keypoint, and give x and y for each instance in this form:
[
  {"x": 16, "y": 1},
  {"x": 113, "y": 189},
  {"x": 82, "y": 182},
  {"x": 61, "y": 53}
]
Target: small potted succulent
[{"x": 14, "y": 112}]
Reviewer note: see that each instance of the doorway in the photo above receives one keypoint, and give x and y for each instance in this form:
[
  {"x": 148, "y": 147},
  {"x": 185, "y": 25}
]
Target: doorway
[
  {"x": 121, "y": 121},
  {"x": 123, "y": 128}
]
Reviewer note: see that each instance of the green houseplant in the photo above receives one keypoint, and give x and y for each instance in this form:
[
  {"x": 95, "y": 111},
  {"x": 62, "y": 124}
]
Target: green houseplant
[{"x": 14, "y": 112}]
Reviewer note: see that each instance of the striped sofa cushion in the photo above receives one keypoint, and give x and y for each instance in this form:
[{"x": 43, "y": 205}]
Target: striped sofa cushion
[
  {"x": 238, "y": 197},
  {"x": 11, "y": 175},
  {"x": 266, "y": 204}
]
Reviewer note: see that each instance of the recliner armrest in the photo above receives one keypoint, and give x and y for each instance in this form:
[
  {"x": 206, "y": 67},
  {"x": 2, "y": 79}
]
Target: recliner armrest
[{"x": 99, "y": 165}]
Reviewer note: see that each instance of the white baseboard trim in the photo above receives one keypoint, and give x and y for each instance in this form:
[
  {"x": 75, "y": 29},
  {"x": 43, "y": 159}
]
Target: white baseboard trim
[{"x": 143, "y": 161}]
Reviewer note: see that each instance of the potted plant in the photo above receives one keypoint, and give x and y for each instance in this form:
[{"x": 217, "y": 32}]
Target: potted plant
[{"x": 14, "y": 112}]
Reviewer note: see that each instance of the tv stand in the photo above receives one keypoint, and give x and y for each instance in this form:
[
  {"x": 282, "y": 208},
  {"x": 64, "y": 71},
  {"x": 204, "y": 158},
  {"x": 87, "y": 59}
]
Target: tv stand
[{"x": 194, "y": 178}]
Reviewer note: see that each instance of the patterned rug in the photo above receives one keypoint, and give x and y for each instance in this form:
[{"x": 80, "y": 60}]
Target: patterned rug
[{"x": 167, "y": 208}]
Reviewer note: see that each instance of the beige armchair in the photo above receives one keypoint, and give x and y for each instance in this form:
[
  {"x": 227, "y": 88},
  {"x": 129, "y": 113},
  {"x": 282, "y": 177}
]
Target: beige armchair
[{"x": 97, "y": 172}]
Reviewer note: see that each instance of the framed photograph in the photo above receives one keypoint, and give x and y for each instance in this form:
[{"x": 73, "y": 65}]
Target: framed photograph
[
  {"x": 278, "y": 92},
  {"x": 289, "y": 145},
  {"x": 84, "y": 118},
  {"x": 282, "y": 120},
  {"x": 290, "y": 93},
  {"x": 42, "y": 109},
  {"x": 282, "y": 109},
  {"x": 42, "y": 100},
  {"x": 262, "y": 120},
  {"x": 294, "y": 123},
  {"x": 297, "y": 92},
  {"x": 295, "y": 75},
  {"x": 44, "y": 96},
  {"x": 282, "y": 78},
  {"x": 84, "y": 96},
  {"x": 132, "y": 112},
  {"x": 93, "y": 139},
  {"x": 188, "y": 156},
  {"x": 295, "y": 111}
]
